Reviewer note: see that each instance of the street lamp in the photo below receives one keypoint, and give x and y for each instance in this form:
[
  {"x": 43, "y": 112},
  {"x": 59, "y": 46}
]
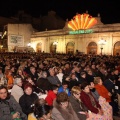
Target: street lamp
[
  {"x": 101, "y": 42},
  {"x": 55, "y": 44},
  {"x": 29, "y": 44}
]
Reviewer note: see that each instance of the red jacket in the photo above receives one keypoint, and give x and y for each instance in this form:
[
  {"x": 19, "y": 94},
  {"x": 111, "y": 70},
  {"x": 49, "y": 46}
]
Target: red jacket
[
  {"x": 50, "y": 97},
  {"x": 87, "y": 102},
  {"x": 103, "y": 92}
]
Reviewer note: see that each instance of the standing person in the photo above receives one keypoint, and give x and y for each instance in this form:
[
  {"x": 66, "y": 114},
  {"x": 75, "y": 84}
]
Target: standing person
[
  {"x": 9, "y": 108},
  {"x": 17, "y": 90},
  {"x": 27, "y": 99},
  {"x": 62, "y": 109}
]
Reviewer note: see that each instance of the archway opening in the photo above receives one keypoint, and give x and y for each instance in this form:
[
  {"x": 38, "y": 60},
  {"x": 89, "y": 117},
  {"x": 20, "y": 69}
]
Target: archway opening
[
  {"x": 92, "y": 48},
  {"x": 116, "y": 48},
  {"x": 39, "y": 47},
  {"x": 70, "y": 48}
]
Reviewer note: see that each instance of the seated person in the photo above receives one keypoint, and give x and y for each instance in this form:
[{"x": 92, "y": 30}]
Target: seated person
[
  {"x": 9, "y": 107},
  {"x": 27, "y": 99},
  {"x": 64, "y": 88},
  {"x": 41, "y": 111},
  {"x": 17, "y": 90},
  {"x": 51, "y": 95},
  {"x": 62, "y": 109}
]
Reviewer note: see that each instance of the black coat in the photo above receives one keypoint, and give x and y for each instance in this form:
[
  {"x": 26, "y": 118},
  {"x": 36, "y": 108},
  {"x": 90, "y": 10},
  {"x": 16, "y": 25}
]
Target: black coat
[{"x": 26, "y": 101}]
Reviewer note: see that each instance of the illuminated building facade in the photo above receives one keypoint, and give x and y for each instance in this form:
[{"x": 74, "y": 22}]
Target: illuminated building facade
[{"x": 86, "y": 41}]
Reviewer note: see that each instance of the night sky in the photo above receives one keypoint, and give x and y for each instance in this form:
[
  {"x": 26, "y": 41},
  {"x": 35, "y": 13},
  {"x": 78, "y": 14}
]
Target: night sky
[{"x": 108, "y": 9}]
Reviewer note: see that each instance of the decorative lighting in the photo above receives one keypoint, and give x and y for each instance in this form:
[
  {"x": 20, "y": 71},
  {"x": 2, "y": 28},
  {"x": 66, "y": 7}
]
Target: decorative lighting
[
  {"x": 82, "y": 21},
  {"x": 29, "y": 44},
  {"x": 102, "y": 42}
]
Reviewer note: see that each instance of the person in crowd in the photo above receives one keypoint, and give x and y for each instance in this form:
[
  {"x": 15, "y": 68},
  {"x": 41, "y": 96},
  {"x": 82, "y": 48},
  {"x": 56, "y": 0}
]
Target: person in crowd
[
  {"x": 78, "y": 106},
  {"x": 73, "y": 82},
  {"x": 43, "y": 82},
  {"x": 41, "y": 111},
  {"x": 9, "y": 107},
  {"x": 64, "y": 88},
  {"x": 27, "y": 99},
  {"x": 105, "y": 94},
  {"x": 83, "y": 77},
  {"x": 60, "y": 74},
  {"x": 20, "y": 74},
  {"x": 51, "y": 95},
  {"x": 1, "y": 73},
  {"x": 62, "y": 109},
  {"x": 53, "y": 79},
  {"x": 17, "y": 90},
  {"x": 90, "y": 102},
  {"x": 9, "y": 78},
  {"x": 94, "y": 91},
  {"x": 33, "y": 74}
]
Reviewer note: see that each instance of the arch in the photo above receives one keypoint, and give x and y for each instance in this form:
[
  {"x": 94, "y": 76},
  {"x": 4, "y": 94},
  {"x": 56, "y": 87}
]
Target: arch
[
  {"x": 92, "y": 48},
  {"x": 116, "y": 50},
  {"x": 39, "y": 47},
  {"x": 70, "y": 48},
  {"x": 52, "y": 48}
]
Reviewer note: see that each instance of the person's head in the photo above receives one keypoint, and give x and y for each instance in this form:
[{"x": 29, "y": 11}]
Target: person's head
[
  {"x": 18, "y": 81},
  {"x": 97, "y": 80},
  {"x": 51, "y": 71},
  {"x": 64, "y": 84},
  {"x": 116, "y": 72},
  {"x": 85, "y": 87},
  {"x": 60, "y": 70},
  {"x": 20, "y": 72},
  {"x": 32, "y": 69},
  {"x": 89, "y": 72},
  {"x": 91, "y": 85},
  {"x": 55, "y": 89},
  {"x": 44, "y": 74},
  {"x": 83, "y": 74},
  {"x": 62, "y": 99},
  {"x": 28, "y": 89},
  {"x": 3, "y": 92},
  {"x": 41, "y": 110},
  {"x": 76, "y": 92},
  {"x": 73, "y": 76}
]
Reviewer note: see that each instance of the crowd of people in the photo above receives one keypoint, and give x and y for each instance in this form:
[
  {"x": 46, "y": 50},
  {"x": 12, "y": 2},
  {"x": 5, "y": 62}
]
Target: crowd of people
[{"x": 59, "y": 86}]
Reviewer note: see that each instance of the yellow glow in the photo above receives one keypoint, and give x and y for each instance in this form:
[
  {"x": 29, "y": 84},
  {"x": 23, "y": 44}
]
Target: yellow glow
[{"x": 82, "y": 21}]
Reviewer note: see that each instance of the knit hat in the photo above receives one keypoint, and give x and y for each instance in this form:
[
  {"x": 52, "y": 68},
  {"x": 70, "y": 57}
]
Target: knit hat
[{"x": 28, "y": 85}]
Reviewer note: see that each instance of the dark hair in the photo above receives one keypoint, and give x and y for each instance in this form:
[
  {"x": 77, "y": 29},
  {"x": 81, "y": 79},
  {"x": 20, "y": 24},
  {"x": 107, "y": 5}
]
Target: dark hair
[
  {"x": 40, "y": 108},
  {"x": 83, "y": 85},
  {"x": 4, "y": 87},
  {"x": 62, "y": 97},
  {"x": 64, "y": 83},
  {"x": 54, "y": 87}
]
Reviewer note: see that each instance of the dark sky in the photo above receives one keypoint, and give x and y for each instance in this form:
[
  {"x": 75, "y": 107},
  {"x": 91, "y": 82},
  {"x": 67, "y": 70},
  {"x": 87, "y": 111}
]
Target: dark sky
[{"x": 108, "y": 9}]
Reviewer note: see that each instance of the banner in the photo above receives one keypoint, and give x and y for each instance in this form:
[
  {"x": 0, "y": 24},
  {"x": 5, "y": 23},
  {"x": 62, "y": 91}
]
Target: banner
[{"x": 16, "y": 40}]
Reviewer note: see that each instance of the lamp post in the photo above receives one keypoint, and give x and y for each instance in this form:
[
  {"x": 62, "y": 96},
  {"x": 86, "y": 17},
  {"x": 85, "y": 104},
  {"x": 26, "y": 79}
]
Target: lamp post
[
  {"x": 55, "y": 44},
  {"x": 101, "y": 42}
]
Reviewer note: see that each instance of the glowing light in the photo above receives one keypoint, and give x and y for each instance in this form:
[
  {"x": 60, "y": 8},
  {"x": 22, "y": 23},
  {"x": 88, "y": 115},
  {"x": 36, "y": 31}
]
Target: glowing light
[{"x": 82, "y": 21}]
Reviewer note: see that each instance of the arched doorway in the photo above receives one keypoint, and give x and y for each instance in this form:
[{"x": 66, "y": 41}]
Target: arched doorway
[
  {"x": 52, "y": 48},
  {"x": 116, "y": 48},
  {"x": 70, "y": 48},
  {"x": 92, "y": 48},
  {"x": 39, "y": 47}
]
